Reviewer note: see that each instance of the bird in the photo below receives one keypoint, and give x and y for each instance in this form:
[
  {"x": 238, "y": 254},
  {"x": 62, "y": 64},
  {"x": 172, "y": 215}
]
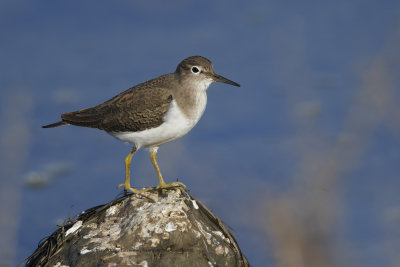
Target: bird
[{"x": 152, "y": 113}]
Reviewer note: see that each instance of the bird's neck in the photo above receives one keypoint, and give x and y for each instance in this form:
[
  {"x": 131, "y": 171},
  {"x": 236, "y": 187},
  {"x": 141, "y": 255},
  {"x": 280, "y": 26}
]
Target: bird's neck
[{"x": 192, "y": 102}]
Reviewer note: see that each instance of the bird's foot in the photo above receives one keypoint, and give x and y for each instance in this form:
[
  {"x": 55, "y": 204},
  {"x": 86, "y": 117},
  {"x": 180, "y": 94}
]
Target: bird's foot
[
  {"x": 172, "y": 185},
  {"x": 133, "y": 190}
]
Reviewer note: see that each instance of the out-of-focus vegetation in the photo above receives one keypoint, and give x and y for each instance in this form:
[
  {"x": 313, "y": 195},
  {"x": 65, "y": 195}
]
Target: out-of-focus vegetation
[{"x": 303, "y": 222}]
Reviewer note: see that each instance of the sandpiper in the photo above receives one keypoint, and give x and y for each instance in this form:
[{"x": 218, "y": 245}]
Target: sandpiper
[{"x": 152, "y": 113}]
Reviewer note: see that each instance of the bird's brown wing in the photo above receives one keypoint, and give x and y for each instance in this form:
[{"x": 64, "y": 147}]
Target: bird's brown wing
[{"x": 138, "y": 108}]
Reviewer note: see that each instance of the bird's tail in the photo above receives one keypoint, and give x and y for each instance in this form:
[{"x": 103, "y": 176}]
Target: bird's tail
[{"x": 60, "y": 123}]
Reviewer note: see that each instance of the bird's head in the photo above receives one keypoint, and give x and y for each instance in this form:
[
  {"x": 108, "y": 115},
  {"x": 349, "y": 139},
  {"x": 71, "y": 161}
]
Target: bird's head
[{"x": 198, "y": 71}]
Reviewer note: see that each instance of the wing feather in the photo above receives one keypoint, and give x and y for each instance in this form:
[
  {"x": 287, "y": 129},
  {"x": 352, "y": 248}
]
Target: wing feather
[{"x": 138, "y": 108}]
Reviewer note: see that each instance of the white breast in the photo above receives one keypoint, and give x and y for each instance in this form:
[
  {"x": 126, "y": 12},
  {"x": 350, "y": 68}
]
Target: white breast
[{"x": 175, "y": 125}]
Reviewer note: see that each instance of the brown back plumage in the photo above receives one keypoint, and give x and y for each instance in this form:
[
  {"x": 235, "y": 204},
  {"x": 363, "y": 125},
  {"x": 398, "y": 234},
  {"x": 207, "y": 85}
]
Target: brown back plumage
[{"x": 136, "y": 109}]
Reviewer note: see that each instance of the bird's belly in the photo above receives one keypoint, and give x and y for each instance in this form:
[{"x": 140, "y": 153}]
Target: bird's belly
[{"x": 175, "y": 125}]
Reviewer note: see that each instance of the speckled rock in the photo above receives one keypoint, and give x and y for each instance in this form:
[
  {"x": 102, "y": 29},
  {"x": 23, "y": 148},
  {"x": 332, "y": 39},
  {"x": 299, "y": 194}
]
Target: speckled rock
[{"x": 169, "y": 228}]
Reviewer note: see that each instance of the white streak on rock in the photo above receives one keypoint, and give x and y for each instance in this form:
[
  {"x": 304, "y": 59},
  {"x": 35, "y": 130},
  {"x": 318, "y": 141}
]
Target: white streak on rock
[
  {"x": 90, "y": 235},
  {"x": 198, "y": 235},
  {"x": 75, "y": 227},
  {"x": 219, "y": 250},
  {"x": 218, "y": 233},
  {"x": 226, "y": 250},
  {"x": 84, "y": 251},
  {"x": 154, "y": 242},
  {"x": 170, "y": 227},
  {"x": 111, "y": 211},
  {"x": 195, "y": 204},
  {"x": 205, "y": 233},
  {"x": 58, "y": 264},
  {"x": 137, "y": 245}
]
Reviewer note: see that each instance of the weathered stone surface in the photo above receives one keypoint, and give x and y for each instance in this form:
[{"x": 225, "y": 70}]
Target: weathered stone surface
[{"x": 169, "y": 228}]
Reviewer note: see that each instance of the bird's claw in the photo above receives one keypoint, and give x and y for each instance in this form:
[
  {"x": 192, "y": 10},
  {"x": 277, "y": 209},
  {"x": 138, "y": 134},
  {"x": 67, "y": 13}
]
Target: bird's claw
[
  {"x": 172, "y": 185},
  {"x": 133, "y": 190}
]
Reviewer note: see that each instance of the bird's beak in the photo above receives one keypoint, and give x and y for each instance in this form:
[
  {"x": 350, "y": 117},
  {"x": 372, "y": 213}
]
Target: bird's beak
[{"x": 219, "y": 78}]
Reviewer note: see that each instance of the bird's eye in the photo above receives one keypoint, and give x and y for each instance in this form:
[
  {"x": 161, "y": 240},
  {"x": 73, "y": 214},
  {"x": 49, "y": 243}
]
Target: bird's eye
[{"x": 195, "y": 70}]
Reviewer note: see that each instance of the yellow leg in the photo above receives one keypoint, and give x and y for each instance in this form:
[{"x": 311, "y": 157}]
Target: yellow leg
[
  {"x": 127, "y": 184},
  {"x": 161, "y": 183}
]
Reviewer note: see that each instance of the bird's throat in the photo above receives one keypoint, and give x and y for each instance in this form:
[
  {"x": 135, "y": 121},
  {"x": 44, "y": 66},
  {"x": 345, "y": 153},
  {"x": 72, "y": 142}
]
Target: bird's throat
[{"x": 192, "y": 103}]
